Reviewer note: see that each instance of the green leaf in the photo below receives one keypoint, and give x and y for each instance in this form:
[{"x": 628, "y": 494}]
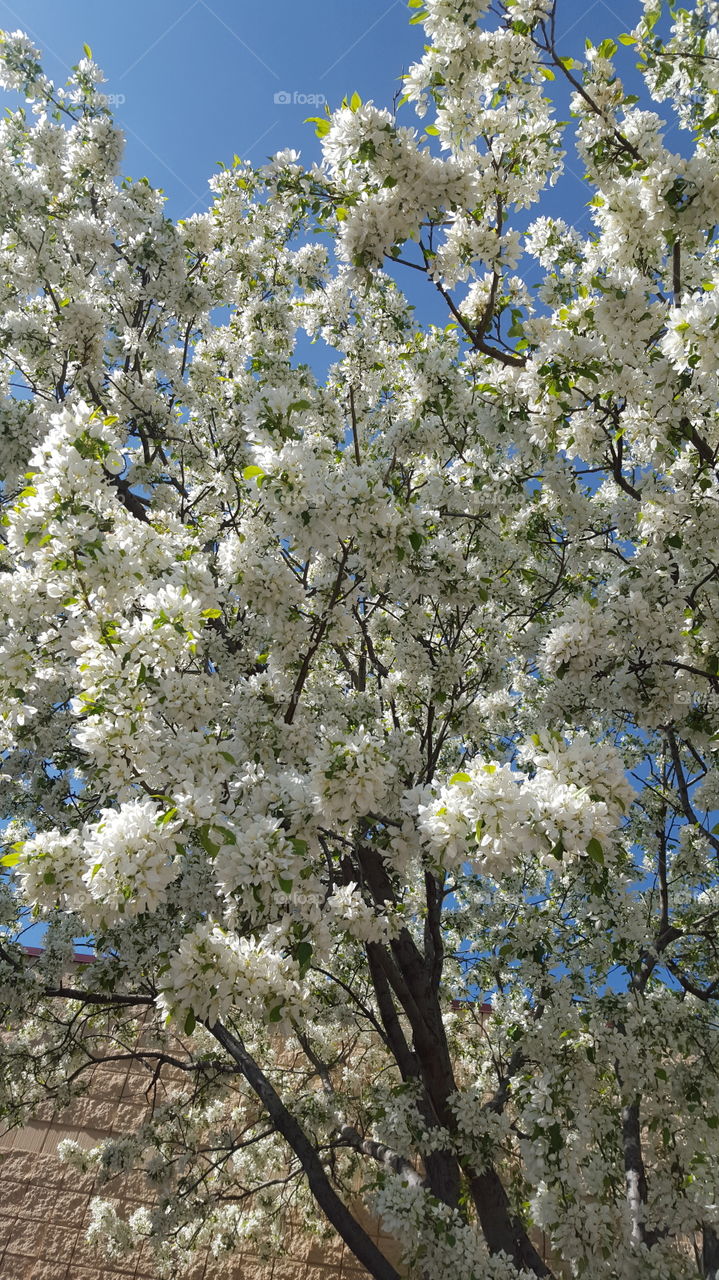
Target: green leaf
[
  {"x": 249, "y": 473},
  {"x": 355, "y": 102},
  {"x": 651, "y": 19},
  {"x": 303, "y": 955},
  {"x": 460, "y": 777},
  {"x": 10, "y": 860},
  {"x": 607, "y": 49},
  {"x": 208, "y": 845},
  {"x": 595, "y": 850},
  {"x": 167, "y": 816},
  {"x": 87, "y": 51},
  {"x": 554, "y": 1135},
  {"x": 709, "y": 121},
  {"x": 190, "y": 1023},
  {"x": 322, "y": 126},
  {"x": 625, "y": 38},
  {"x": 285, "y": 885},
  {"x": 211, "y": 613},
  {"x": 415, "y": 540},
  {"x": 275, "y": 1014}
]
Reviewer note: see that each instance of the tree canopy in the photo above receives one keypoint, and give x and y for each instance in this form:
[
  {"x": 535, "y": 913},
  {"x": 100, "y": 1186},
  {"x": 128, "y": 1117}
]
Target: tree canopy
[{"x": 338, "y": 705}]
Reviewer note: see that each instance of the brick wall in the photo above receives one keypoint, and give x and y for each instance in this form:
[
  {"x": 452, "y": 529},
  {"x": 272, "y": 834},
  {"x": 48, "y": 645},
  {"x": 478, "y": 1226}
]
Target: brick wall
[{"x": 44, "y": 1205}]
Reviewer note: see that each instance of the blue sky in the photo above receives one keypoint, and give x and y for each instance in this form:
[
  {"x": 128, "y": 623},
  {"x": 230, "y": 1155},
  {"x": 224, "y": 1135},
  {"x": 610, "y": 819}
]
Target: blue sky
[{"x": 196, "y": 80}]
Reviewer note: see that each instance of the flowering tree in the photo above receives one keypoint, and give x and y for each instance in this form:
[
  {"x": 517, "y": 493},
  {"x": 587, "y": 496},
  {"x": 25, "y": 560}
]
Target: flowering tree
[{"x": 334, "y": 706}]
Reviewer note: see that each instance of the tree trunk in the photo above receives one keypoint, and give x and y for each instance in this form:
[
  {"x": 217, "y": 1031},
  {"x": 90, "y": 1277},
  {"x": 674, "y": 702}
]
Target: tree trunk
[
  {"x": 710, "y": 1253},
  {"x": 420, "y": 1001},
  {"x": 503, "y": 1232}
]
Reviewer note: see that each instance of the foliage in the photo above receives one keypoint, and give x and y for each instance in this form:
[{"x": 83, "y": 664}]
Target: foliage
[{"x": 332, "y": 706}]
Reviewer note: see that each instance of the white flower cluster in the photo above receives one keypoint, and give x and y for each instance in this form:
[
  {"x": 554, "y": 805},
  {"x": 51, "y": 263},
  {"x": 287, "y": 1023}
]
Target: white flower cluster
[
  {"x": 119, "y": 865},
  {"x": 214, "y": 973},
  {"x": 132, "y": 858},
  {"x": 353, "y": 916},
  {"x": 350, "y": 778},
  {"x": 570, "y": 802},
  {"x": 581, "y": 761},
  {"x": 435, "y": 1238},
  {"x": 20, "y": 66},
  {"x": 391, "y": 182},
  {"x": 691, "y": 336}
]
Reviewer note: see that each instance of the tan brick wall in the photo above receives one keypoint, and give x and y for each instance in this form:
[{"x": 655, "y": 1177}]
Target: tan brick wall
[{"x": 44, "y": 1205}]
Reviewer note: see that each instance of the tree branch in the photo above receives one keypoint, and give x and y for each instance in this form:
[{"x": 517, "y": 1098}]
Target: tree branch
[{"x": 334, "y": 1209}]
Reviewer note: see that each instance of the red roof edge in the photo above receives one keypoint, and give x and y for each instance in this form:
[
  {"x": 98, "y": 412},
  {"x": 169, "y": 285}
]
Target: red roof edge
[{"x": 79, "y": 957}]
